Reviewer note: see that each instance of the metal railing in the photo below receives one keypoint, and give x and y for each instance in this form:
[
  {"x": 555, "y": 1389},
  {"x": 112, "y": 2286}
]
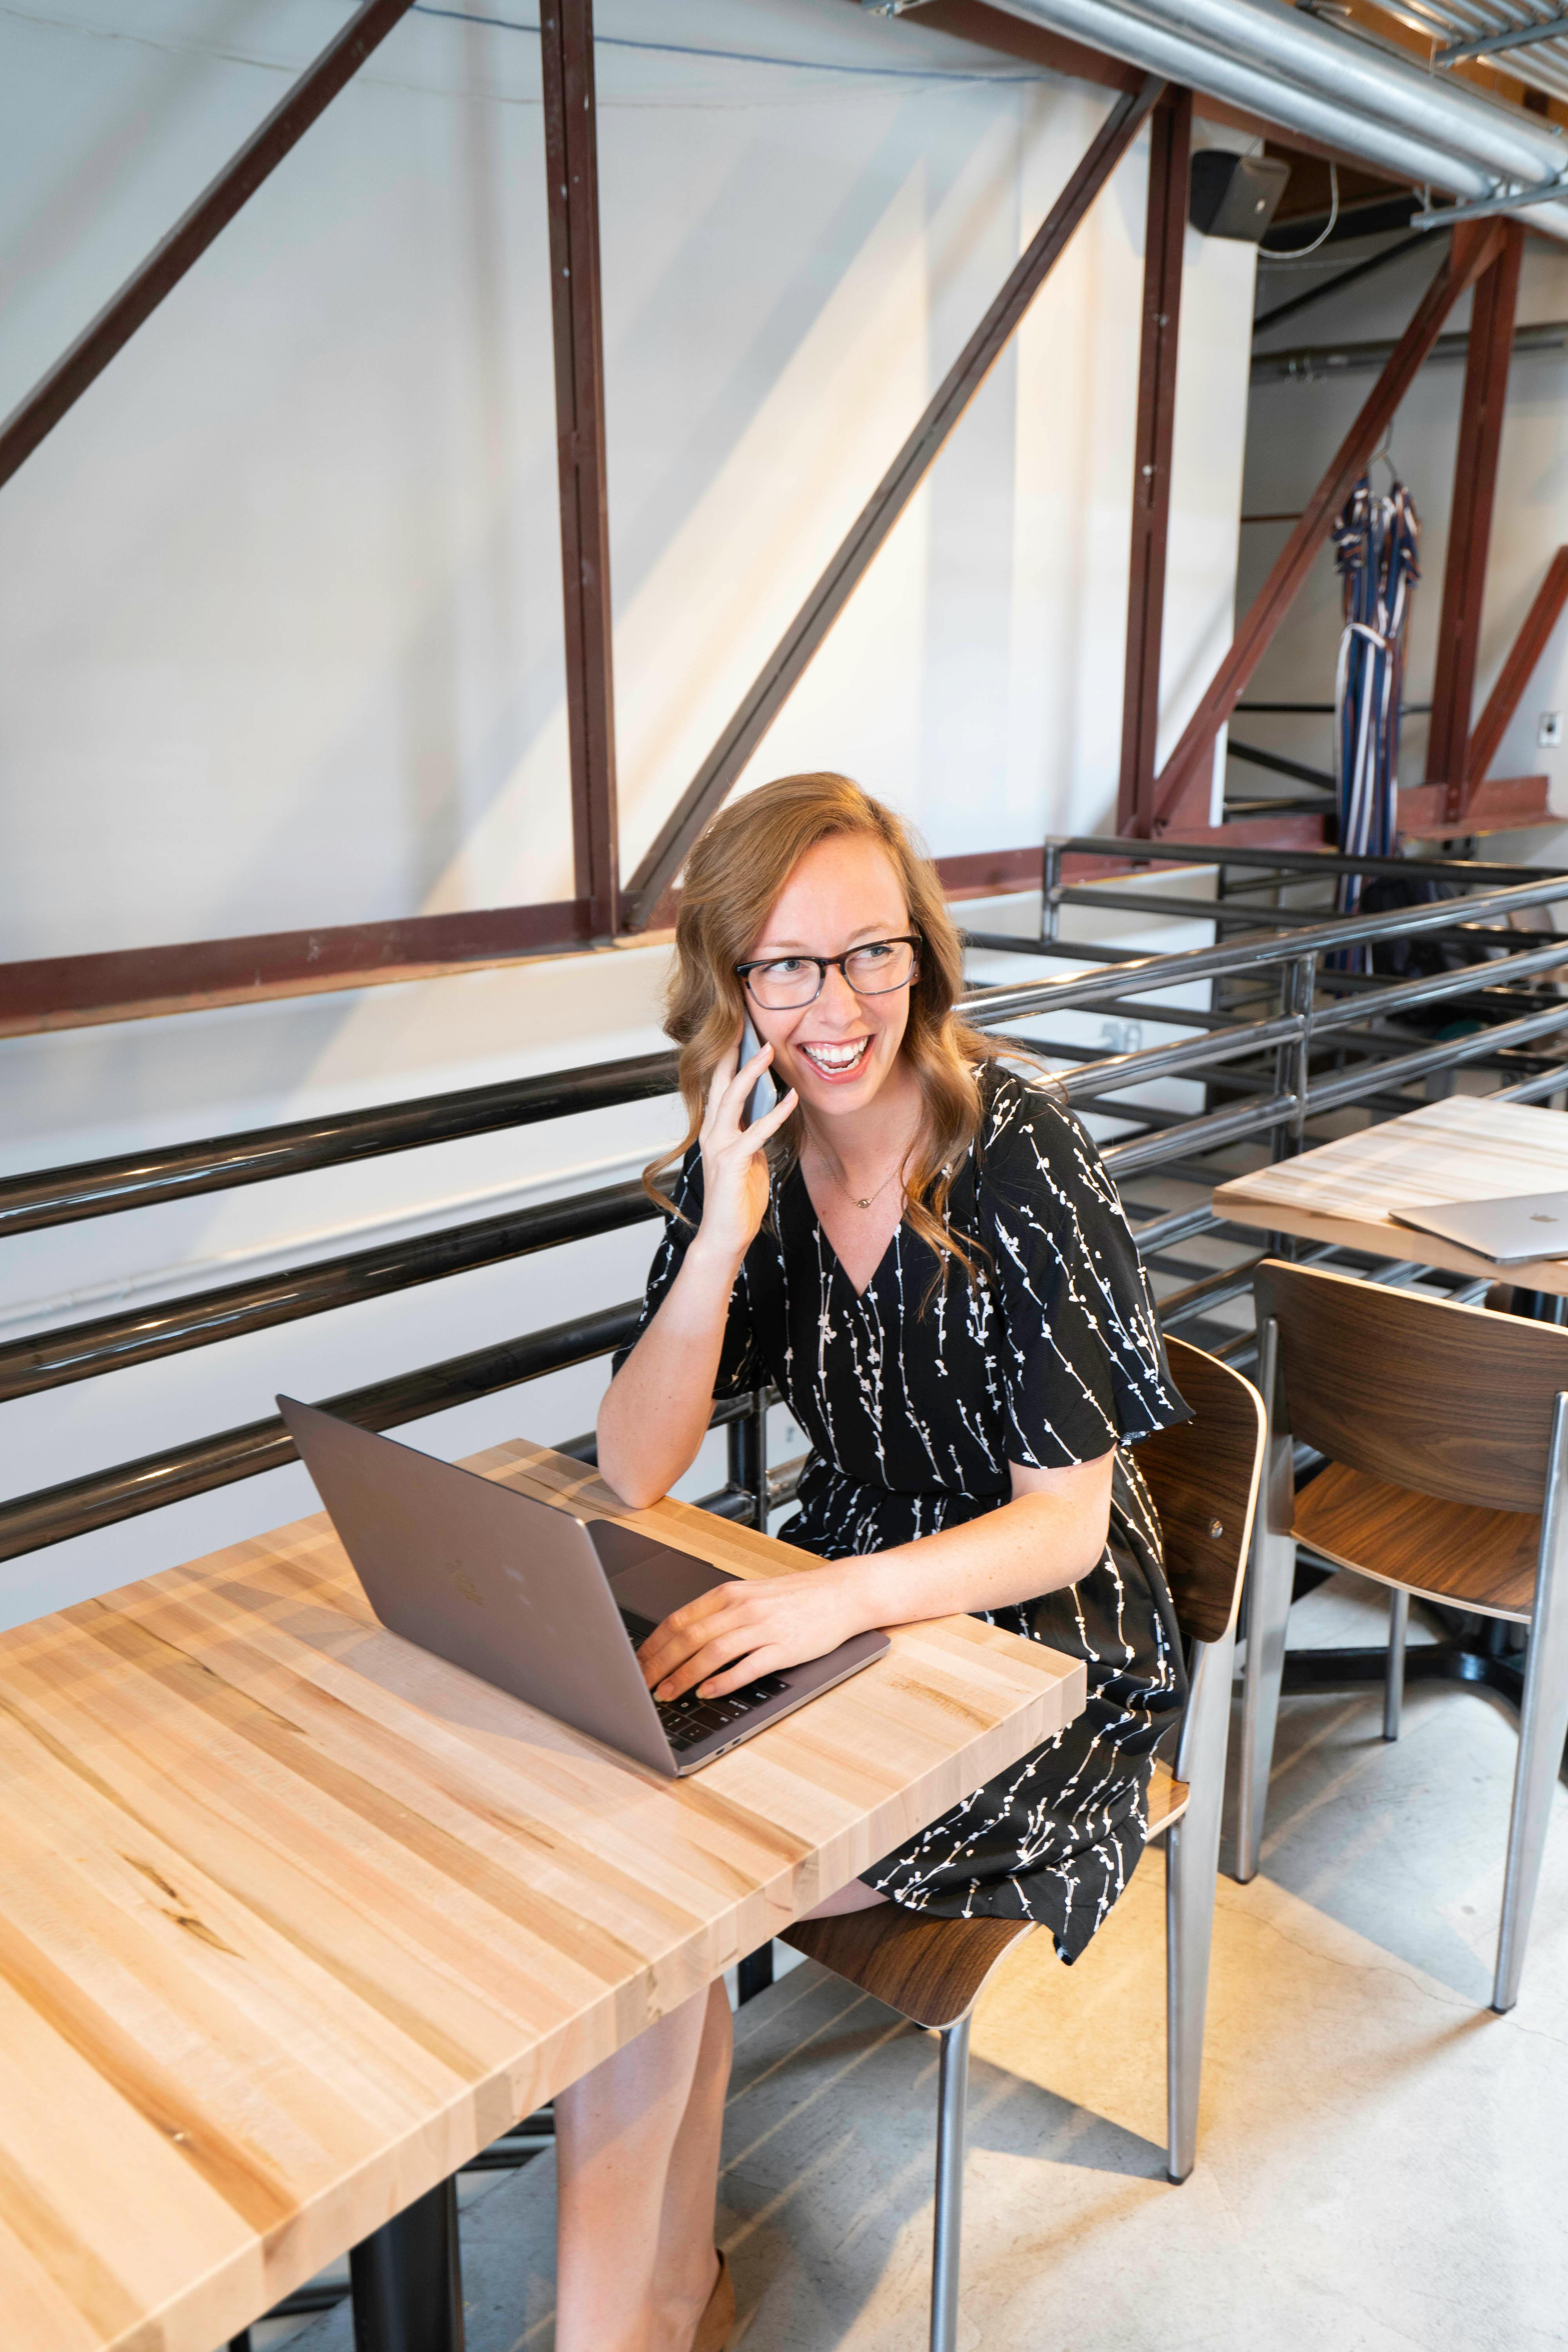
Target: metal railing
[{"x": 1259, "y": 1059}]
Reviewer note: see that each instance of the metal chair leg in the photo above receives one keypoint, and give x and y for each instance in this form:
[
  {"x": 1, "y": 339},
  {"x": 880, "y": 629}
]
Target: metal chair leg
[
  {"x": 1394, "y": 1684},
  {"x": 1271, "y": 1578},
  {"x": 1192, "y": 1871},
  {"x": 947, "y": 2234},
  {"x": 1272, "y": 1574},
  {"x": 1542, "y": 1724}
]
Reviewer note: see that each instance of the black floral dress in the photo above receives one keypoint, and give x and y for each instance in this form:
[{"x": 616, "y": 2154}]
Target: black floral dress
[{"x": 915, "y": 1399}]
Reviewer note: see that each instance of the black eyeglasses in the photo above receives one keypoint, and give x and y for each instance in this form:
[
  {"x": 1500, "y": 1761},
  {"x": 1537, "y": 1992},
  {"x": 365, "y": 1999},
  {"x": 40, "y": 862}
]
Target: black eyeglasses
[{"x": 781, "y": 983}]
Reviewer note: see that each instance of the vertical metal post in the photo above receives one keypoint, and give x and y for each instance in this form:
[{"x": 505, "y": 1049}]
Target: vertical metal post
[
  {"x": 1394, "y": 1682},
  {"x": 748, "y": 1448},
  {"x": 408, "y": 2279},
  {"x": 755, "y": 1973},
  {"x": 1542, "y": 1721},
  {"x": 1050, "y": 889},
  {"x": 572, "y": 178},
  {"x": 1301, "y": 984},
  {"x": 1164, "y": 234},
  {"x": 947, "y": 2225}
]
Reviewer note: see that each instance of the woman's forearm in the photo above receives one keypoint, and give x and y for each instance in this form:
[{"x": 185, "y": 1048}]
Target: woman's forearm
[
  {"x": 655, "y": 1411},
  {"x": 1035, "y": 1544}
]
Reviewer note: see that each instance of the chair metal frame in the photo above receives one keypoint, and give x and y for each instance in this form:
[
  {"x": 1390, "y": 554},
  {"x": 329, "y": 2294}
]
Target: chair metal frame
[
  {"x": 856, "y": 1945},
  {"x": 1544, "y": 1721}
]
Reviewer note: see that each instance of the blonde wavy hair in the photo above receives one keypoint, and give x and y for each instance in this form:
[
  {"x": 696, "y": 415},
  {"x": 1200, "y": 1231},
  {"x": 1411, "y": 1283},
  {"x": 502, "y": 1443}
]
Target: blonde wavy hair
[{"x": 733, "y": 879}]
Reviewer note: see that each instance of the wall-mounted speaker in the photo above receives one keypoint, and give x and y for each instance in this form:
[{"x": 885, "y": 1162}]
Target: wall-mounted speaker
[{"x": 1235, "y": 195}]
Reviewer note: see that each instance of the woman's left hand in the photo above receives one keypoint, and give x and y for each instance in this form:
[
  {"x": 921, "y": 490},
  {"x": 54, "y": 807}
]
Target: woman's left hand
[{"x": 727, "y": 1637}]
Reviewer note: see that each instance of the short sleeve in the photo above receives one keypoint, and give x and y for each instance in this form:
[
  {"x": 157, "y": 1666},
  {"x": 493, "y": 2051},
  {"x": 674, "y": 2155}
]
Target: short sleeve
[
  {"x": 1078, "y": 1355},
  {"x": 739, "y": 1366}
]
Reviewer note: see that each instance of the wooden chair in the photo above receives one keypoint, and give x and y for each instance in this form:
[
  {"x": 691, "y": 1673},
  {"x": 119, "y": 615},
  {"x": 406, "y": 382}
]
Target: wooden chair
[
  {"x": 1445, "y": 1429},
  {"x": 1204, "y": 1478}
]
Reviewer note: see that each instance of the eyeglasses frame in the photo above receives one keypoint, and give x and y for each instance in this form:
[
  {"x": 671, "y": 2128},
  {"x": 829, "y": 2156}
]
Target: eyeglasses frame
[{"x": 825, "y": 964}]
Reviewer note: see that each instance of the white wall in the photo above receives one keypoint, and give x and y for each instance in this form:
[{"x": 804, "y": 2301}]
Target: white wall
[
  {"x": 280, "y": 598},
  {"x": 1294, "y": 430}
]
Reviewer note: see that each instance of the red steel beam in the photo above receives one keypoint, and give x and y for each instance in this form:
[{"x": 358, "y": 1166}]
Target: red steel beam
[
  {"x": 1515, "y": 675},
  {"x": 1469, "y": 530},
  {"x": 1164, "y": 239},
  {"x": 58, "y": 391},
  {"x": 77, "y": 992},
  {"x": 571, "y": 179},
  {"x": 790, "y": 657},
  {"x": 1182, "y": 792}
]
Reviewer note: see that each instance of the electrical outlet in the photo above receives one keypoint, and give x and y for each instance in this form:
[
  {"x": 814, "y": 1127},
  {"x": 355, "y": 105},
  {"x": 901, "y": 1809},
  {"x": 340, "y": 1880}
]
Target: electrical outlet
[{"x": 1548, "y": 731}]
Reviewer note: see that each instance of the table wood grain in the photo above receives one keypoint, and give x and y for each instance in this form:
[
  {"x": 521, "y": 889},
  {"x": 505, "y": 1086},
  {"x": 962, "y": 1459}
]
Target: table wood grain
[
  {"x": 1467, "y": 1148},
  {"x": 295, "y": 1918}
]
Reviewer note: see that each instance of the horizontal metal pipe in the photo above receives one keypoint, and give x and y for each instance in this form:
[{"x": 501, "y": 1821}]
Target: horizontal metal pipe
[
  {"x": 30, "y": 1522},
  {"x": 137, "y": 1180},
  {"x": 1167, "y": 1061},
  {"x": 1129, "y": 979},
  {"x": 1474, "y": 873},
  {"x": 1335, "y": 1091},
  {"x": 1475, "y": 979},
  {"x": 1223, "y": 911},
  {"x": 1545, "y": 1082},
  {"x": 47, "y": 1359},
  {"x": 1167, "y": 50},
  {"x": 1323, "y": 362},
  {"x": 1377, "y": 82},
  {"x": 1174, "y": 1228},
  {"x": 1211, "y": 1290},
  {"x": 1278, "y": 765},
  {"x": 134, "y": 1180},
  {"x": 1190, "y": 1135}
]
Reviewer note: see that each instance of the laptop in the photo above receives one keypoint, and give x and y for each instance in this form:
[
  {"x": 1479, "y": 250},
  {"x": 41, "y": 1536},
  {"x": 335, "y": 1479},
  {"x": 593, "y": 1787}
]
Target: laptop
[
  {"x": 1510, "y": 1232},
  {"x": 547, "y": 1603}
]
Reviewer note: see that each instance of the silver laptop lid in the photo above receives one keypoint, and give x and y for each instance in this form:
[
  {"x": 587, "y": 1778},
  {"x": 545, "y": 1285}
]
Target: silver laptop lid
[
  {"x": 510, "y": 1588},
  {"x": 1508, "y": 1230}
]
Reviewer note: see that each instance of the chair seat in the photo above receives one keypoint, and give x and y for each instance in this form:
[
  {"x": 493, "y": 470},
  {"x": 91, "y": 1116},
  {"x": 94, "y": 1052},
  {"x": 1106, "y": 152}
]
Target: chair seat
[
  {"x": 932, "y": 1971},
  {"x": 1452, "y": 1552},
  {"x": 1168, "y": 1799}
]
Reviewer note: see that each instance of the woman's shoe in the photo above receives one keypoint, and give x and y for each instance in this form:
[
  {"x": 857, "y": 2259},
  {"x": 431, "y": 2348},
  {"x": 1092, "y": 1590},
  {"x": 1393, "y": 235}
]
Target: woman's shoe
[{"x": 718, "y": 2315}]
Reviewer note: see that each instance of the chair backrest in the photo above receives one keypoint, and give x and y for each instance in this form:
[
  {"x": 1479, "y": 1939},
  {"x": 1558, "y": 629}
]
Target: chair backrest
[
  {"x": 1204, "y": 1478},
  {"x": 1451, "y": 1400}
]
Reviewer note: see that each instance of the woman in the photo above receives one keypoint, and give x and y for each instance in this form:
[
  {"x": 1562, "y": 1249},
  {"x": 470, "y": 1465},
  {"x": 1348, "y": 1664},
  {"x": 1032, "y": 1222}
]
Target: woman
[{"x": 921, "y": 1249}]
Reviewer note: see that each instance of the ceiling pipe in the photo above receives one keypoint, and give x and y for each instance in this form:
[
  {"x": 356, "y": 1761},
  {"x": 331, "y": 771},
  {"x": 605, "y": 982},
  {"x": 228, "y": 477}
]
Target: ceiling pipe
[
  {"x": 1146, "y": 39},
  {"x": 1311, "y": 54}
]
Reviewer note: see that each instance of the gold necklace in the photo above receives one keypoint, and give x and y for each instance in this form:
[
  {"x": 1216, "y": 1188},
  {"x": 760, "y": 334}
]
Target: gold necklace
[{"x": 870, "y": 1197}]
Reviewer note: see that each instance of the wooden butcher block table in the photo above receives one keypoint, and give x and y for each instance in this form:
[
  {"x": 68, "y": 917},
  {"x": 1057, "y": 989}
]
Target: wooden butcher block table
[
  {"x": 295, "y": 1918},
  {"x": 1467, "y": 1148}
]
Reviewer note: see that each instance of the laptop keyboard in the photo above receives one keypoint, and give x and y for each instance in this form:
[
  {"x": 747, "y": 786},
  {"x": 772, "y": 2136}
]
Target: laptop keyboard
[{"x": 687, "y": 1720}]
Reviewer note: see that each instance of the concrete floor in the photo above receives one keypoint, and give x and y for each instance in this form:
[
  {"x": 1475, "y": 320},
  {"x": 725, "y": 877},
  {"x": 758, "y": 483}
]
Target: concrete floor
[{"x": 1382, "y": 2164}]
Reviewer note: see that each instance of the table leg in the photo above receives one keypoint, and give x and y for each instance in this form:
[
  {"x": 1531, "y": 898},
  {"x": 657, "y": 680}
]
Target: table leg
[
  {"x": 755, "y": 1973},
  {"x": 408, "y": 2280}
]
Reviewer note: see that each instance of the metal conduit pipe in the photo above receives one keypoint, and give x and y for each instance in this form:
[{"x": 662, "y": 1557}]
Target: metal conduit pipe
[
  {"x": 1162, "y": 50},
  {"x": 1160, "y": 46},
  {"x": 1311, "y": 54}
]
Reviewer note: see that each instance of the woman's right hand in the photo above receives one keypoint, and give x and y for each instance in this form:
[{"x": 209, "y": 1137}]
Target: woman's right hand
[{"x": 734, "y": 1159}]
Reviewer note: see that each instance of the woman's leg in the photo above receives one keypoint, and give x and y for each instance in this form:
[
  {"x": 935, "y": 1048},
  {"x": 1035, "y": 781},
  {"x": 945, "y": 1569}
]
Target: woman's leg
[
  {"x": 855, "y": 1896},
  {"x": 616, "y": 2133},
  {"x": 687, "y": 2267}
]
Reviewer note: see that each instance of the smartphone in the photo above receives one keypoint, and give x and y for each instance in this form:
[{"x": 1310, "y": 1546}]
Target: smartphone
[{"x": 764, "y": 1093}]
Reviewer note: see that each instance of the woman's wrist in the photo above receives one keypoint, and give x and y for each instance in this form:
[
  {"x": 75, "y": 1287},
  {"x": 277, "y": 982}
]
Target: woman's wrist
[{"x": 713, "y": 1261}]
